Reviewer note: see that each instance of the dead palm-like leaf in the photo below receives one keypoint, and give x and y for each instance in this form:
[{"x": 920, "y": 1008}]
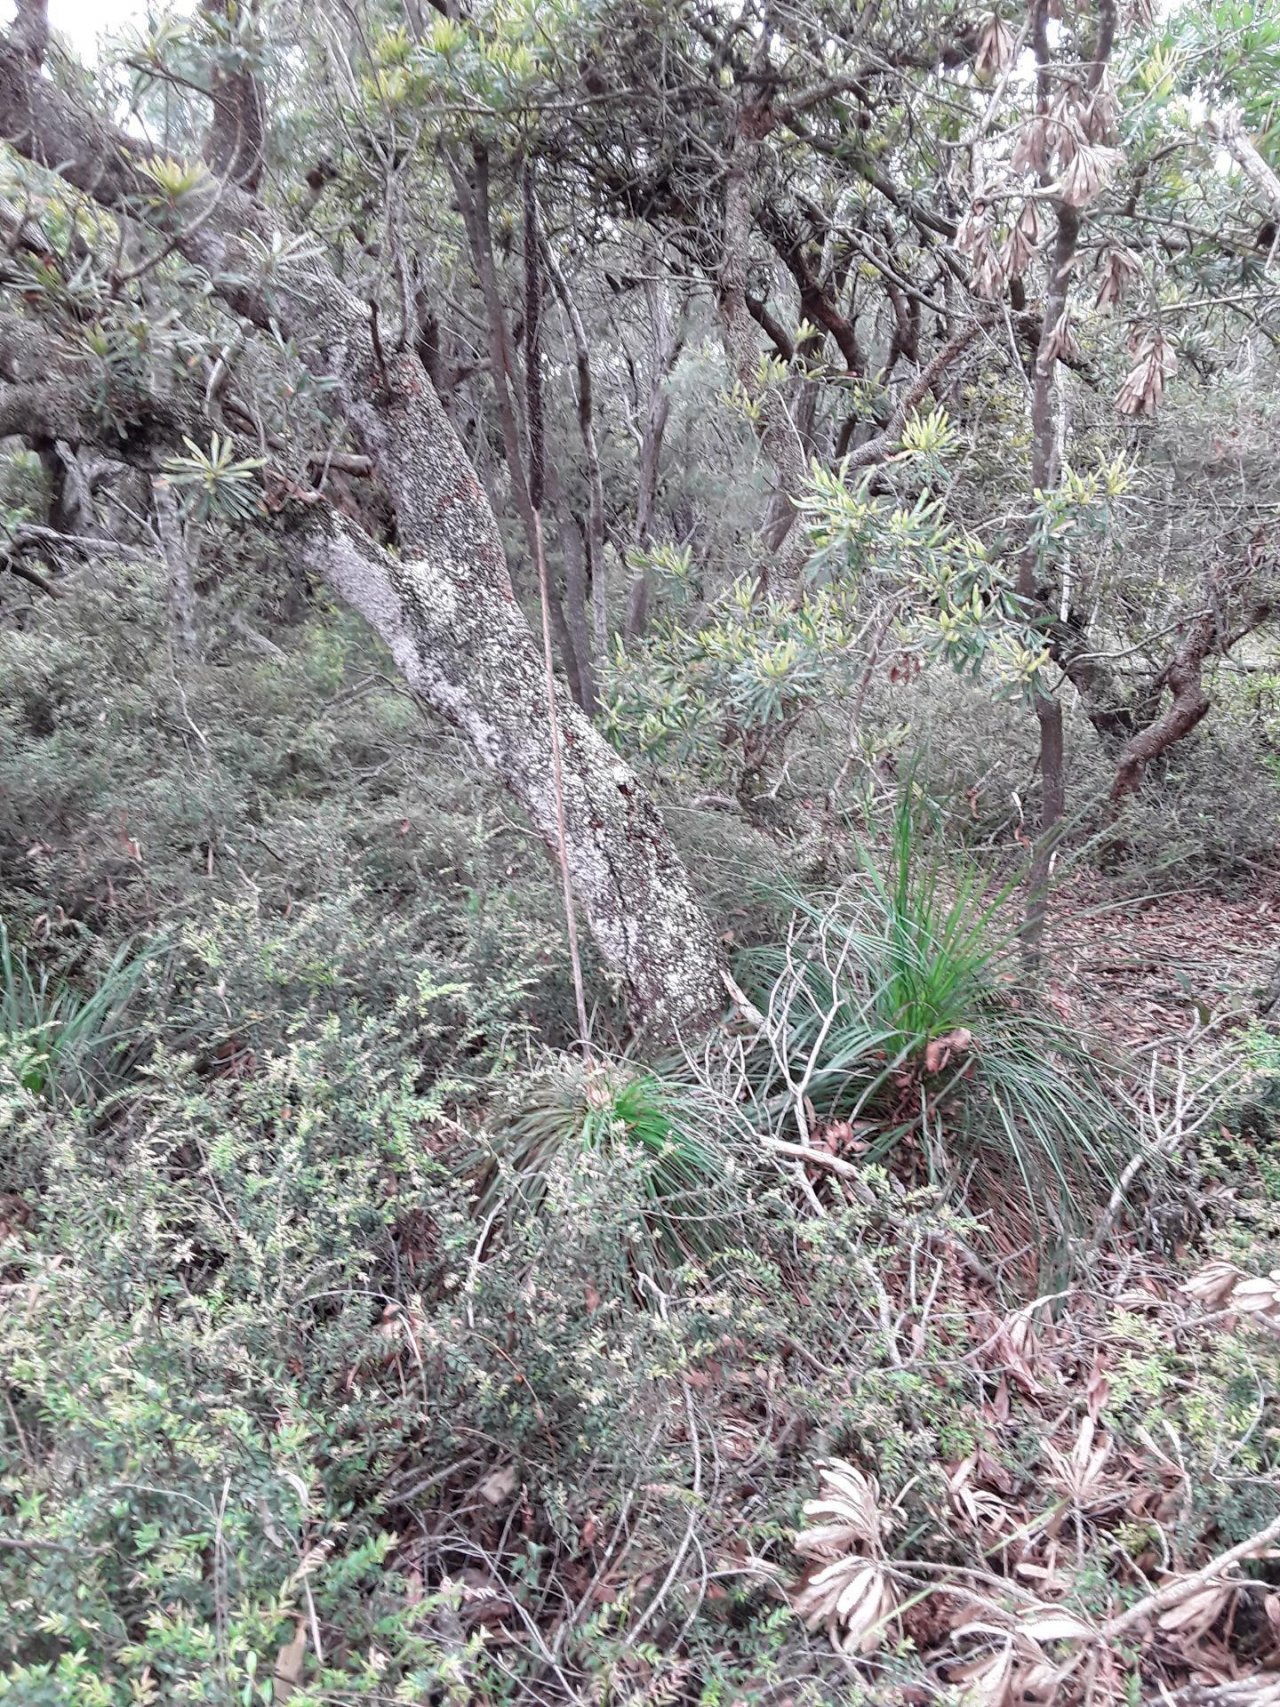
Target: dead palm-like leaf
[
  {"x": 851, "y": 1594},
  {"x": 1258, "y": 1297},
  {"x": 1143, "y": 386},
  {"x": 1087, "y": 173},
  {"x": 1053, "y": 1624},
  {"x": 854, "y": 1598},
  {"x": 995, "y": 49},
  {"x": 1078, "y": 1474},
  {"x": 989, "y": 1681},
  {"x": 1099, "y": 115},
  {"x": 1194, "y": 1616},
  {"x": 1031, "y": 150},
  {"x": 1120, "y": 269},
  {"x": 1212, "y": 1285},
  {"x": 1020, "y": 245},
  {"x": 976, "y": 240},
  {"x": 978, "y": 1507},
  {"x": 1061, "y": 344},
  {"x": 847, "y": 1511}
]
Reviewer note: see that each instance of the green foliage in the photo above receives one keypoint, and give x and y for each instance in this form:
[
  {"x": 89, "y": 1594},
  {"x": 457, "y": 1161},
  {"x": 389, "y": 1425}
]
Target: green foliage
[
  {"x": 933, "y": 585},
  {"x": 137, "y": 806},
  {"x": 752, "y": 666},
  {"x": 222, "y": 485},
  {"x": 895, "y": 1009},
  {"x": 287, "y": 1392},
  {"x": 889, "y": 577},
  {"x": 574, "y": 1107},
  {"x": 1083, "y": 502},
  {"x": 59, "y": 1042}
]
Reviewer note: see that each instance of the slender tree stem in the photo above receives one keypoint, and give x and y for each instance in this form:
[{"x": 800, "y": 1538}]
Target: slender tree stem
[{"x": 537, "y": 430}]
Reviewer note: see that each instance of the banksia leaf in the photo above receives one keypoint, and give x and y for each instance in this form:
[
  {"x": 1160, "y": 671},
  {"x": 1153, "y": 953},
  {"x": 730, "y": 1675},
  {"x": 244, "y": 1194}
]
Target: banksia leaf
[
  {"x": 1144, "y": 383},
  {"x": 1212, "y": 1286},
  {"x": 1060, "y": 345},
  {"x": 1020, "y": 245},
  {"x": 853, "y": 1598},
  {"x": 976, "y": 240},
  {"x": 1120, "y": 269},
  {"x": 1031, "y": 150},
  {"x": 1087, "y": 173},
  {"x": 995, "y": 49}
]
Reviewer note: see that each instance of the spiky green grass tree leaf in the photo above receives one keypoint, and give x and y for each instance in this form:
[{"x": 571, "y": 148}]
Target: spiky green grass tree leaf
[{"x": 898, "y": 1004}]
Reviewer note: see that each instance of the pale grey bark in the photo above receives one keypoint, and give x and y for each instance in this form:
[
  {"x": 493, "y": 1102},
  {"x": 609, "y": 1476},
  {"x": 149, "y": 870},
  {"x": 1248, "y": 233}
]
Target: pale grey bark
[
  {"x": 473, "y": 660},
  {"x": 1227, "y": 128},
  {"x": 445, "y": 606},
  {"x": 180, "y": 583}
]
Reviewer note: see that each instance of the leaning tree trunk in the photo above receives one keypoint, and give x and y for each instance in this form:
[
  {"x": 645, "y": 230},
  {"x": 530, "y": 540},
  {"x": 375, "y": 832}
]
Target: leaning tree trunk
[{"x": 444, "y": 606}]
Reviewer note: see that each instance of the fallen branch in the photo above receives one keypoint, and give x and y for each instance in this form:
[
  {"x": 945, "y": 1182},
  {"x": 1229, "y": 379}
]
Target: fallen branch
[
  {"x": 24, "y": 572},
  {"x": 1152, "y": 1605},
  {"x": 822, "y": 1159}
]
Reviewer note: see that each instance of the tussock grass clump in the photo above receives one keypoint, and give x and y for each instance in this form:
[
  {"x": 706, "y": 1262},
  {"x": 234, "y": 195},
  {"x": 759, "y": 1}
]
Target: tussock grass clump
[
  {"x": 897, "y": 1019},
  {"x": 573, "y": 1109},
  {"x": 61, "y": 1041}
]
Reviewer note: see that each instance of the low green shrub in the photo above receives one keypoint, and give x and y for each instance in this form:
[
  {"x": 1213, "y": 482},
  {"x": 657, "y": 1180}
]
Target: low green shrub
[{"x": 571, "y": 1107}]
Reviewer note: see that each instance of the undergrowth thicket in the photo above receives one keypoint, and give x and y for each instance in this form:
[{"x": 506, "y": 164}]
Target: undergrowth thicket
[{"x": 360, "y": 1345}]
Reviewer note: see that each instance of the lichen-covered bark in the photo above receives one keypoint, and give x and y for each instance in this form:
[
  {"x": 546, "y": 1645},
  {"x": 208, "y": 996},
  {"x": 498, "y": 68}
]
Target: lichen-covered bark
[
  {"x": 472, "y": 659},
  {"x": 444, "y": 606}
]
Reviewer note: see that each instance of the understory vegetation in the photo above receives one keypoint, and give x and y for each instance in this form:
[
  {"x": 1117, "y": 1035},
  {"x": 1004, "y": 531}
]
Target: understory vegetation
[
  {"x": 639, "y": 897},
  {"x": 362, "y": 1342}
]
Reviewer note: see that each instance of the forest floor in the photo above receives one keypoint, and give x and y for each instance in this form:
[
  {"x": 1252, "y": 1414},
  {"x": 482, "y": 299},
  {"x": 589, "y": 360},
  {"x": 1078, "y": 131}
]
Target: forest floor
[{"x": 1159, "y": 973}]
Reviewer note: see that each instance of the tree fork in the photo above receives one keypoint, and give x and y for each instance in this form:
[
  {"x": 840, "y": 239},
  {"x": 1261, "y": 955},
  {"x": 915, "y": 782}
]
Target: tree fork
[{"x": 445, "y": 607}]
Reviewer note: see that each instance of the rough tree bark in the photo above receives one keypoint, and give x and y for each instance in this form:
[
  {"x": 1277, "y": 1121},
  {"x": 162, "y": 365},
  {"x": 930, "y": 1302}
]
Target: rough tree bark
[
  {"x": 1227, "y": 128},
  {"x": 779, "y": 438},
  {"x": 667, "y": 336},
  {"x": 1045, "y": 471},
  {"x": 445, "y": 606},
  {"x": 236, "y": 137}
]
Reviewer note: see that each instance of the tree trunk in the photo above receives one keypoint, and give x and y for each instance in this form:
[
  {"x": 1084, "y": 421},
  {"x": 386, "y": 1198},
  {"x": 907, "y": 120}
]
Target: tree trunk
[
  {"x": 667, "y": 338},
  {"x": 775, "y": 430},
  {"x": 577, "y": 596},
  {"x": 473, "y": 198},
  {"x": 593, "y": 537},
  {"x": 1045, "y": 471},
  {"x": 234, "y": 145},
  {"x": 473, "y": 659},
  {"x": 177, "y": 561},
  {"x": 445, "y": 606}
]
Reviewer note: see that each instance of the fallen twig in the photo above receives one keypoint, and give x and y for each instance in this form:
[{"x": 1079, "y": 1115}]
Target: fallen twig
[{"x": 1151, "y": 1605}]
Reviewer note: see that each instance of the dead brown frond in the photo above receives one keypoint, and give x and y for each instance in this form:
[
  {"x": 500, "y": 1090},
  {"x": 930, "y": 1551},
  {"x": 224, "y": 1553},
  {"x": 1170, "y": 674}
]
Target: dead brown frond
[{"x": 1144, "y": 383}]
